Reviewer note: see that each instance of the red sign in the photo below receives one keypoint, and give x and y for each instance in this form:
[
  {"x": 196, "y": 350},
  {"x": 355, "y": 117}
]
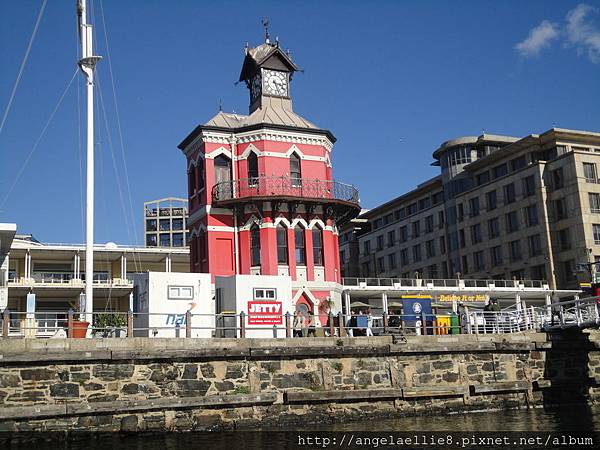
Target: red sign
[{"x": 264, "y": 313}]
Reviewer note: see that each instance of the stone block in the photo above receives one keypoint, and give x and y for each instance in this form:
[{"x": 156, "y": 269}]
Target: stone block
[
  {"x": 37, "y": 374},
  {"x": 9, "y": 380},
  {"x": 64, "y": 390},
  {"x": 113, "y": 372}
]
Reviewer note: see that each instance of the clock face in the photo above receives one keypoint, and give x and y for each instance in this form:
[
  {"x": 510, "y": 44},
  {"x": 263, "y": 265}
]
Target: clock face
[
  {"x": 275, "y": 83},
  {"x": 256, "y": 87}
]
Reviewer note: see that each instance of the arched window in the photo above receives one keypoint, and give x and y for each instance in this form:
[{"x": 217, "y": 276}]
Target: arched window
[
  {"x": 300, "y": 244},
  {"x": 200, "y": 169},
  {"x": 255, "y": 245},
  {"x": 295, "y": 170},
  {"x": 192, "y": 180},
  {"x": 252, "y": 169},
  {"x": 282, "y": 244},
  {"x": 201, "y": 242},
  {"x": 317, "y": 237},
  {"x": 222, "y": 169}
]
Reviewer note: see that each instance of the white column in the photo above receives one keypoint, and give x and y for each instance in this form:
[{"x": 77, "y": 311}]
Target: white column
[
  {"x": 518, "y": 301},
  {"x": 384, "y": 302},
  {"x": 123, "y": 267},
  {"x": 28, "y": 264},
  {"x": 168, "y": 263},
  {"x": 347, "y": 302}
]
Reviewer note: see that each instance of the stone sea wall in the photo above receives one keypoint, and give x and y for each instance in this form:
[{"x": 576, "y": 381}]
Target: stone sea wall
[{"x": 143, "y": 384}]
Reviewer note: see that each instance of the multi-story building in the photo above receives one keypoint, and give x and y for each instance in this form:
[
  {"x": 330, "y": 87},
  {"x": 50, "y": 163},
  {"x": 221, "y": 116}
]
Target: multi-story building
[
  {"x": 165, "y": 222},
  {"x": 261, "y": 194},
  {"x": 502, "y": 208},
  {"x": 54, "y": 272}
]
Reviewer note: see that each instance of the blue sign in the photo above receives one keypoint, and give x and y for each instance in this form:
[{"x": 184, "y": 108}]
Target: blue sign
[{"x": 414, "y": 307}]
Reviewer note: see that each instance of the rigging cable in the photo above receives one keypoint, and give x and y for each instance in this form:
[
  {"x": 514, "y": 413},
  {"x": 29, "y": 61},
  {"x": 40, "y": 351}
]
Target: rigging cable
[
  {"x": 39, "y": 139},
  {"x": 25, "y": 58},
  {"x": 120, "y": 131}
]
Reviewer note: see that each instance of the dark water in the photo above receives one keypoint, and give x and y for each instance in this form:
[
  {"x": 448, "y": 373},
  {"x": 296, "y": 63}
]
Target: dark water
[{"x": 580, "y": 421}]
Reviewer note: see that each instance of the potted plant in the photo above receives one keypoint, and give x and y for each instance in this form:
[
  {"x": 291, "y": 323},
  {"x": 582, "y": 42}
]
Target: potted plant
[
  {"x": 80, "y": 328},
  {"x": 109, "y": 323}
]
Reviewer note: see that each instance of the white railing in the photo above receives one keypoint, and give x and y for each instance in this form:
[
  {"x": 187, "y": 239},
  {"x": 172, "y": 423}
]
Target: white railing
[
  {"x": 445, "y": 283},
  {"x": 66, "y": 281}
]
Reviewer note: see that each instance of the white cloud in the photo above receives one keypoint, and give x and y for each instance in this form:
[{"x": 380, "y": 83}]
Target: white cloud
[
  {"x": 539, "y": 38},
  {"x": 582, "y": 32}
]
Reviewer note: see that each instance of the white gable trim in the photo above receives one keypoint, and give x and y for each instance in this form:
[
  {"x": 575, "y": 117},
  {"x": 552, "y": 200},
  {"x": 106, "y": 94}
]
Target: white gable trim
[
  {"x": 219, "y": 151},
  {"x": 286, "y": 222},
  {"x": 251, "y": 221}
]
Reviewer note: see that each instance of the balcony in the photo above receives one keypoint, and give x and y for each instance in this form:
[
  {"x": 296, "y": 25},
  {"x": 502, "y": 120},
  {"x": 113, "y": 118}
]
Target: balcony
[{"x": 344, "y": 197}]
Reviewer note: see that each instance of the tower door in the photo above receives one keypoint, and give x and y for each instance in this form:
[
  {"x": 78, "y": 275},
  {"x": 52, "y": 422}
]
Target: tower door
[{"x": 222, "y": 169}]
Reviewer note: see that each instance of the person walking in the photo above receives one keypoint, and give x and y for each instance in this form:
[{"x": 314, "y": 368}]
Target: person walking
[{"x": 298, "y": 324}]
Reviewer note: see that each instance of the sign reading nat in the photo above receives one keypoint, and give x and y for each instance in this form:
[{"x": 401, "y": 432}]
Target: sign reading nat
[{"x": 264, "y": 313}]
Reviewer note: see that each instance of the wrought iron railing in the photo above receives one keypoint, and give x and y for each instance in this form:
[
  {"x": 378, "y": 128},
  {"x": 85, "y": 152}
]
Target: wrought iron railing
[{"x": 285, "y": 187}]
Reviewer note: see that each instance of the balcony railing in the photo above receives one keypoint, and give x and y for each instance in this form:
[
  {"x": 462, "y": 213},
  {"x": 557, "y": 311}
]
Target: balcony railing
[
  {"x": 66, "y": 280},
  {"x": 285, "y": 187},
  {"x": 443, "y": 283}
]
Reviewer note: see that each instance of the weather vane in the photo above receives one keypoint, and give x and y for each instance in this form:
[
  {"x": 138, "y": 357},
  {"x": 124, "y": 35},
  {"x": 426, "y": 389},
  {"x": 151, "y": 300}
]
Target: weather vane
[{"x": 265, "y": 22}]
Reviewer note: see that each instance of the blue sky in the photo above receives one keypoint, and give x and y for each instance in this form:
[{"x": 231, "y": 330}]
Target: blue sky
[{"x": 392, "y": 80}]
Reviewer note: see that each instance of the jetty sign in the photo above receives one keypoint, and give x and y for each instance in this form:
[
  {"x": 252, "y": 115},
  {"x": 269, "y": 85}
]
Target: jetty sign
[{"x": 265, "y": 313}]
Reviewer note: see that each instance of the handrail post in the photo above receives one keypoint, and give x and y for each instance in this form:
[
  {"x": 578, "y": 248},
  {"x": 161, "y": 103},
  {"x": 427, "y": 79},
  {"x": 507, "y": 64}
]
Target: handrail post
[
  {"x": 242, "y": 325},
  {"x": 288, "y": 325},
  {"x": 341, "y": 324},
  {"x": 5, "y": 322},
  {"x": 188, "y": 324},
  {"x": 70, "y": 323},
  {"x": 331, "y": 325},
  {"x": 385, "y": 322},
  {"x": 275, "y": 331},
  {"x": 130, "y": 323}
]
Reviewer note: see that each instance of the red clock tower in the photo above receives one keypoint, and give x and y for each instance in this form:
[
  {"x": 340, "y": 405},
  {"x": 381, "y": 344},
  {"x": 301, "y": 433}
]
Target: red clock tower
[{"x": 262, "y": 199}]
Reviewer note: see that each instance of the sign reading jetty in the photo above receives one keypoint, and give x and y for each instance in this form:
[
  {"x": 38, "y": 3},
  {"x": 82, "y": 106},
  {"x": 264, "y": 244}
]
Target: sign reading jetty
[{"x": 264, "y": 313}]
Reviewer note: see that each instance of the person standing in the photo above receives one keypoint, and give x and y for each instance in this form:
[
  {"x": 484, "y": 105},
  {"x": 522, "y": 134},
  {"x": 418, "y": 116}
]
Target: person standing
[{"x": 298, "y": 324}]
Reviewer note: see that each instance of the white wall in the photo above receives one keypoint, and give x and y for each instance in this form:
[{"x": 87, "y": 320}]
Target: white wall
[{"x": 167, "y": 296}]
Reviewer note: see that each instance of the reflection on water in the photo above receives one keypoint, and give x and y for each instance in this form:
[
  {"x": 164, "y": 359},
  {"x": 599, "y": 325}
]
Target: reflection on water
[{"x": 582, "y": 419}]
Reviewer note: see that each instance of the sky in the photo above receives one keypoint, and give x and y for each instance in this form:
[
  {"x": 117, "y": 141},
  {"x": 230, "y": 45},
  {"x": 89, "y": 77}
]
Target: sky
[{"x": 392, "y": 80}]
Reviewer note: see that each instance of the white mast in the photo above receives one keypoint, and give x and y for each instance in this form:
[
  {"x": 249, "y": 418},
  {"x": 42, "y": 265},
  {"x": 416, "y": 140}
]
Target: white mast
[{"x": 86, "y": 64}]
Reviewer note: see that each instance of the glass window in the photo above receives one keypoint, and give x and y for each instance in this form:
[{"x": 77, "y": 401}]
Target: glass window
[
  {"x": 151, "y": 240},
  {"x": 441, "y": 219},
  {"x": 531, "y": 213},
  {"x": 165, "y": 224},
  {"x": 491, "y": 200},
  {"x": 417, "y": 253},
  {"x": 317, "y": 235},
  {"x": 151, "y": 225},
  {"x": 392, "y": 261},
  {"x": 560, "y": 209},
  {"x": 474, "y": 206},
  {"x": 483, "y": 178},
  {"x": 380, "y": 265},
  {"x": 442, "y": 245},
  {"x": 509, "y": 193},
  {"x": 596, "y": 228},
  {"x": 300, "y": 246},
  {"x": 512, "y": 222},
  {"x": 255, "y": 245},
  {"x": 430, "y": 248},
  {"x": 535, "y": 245},
  {"x": 518, "y": 163},
  {"x": 478, "y": 261},
  {"x": 589, "y": 171},
  {"x": 476, "y": 236},
  {"x": 594, "y": 202},
  {"x": 177, "y": 239},
  {"x": 295, "y": 169},
  {"x": 564, "y": 239},
  {"x": 528, "y": 186},
  {"x": 201, "y": 242},
  {"x": 391, "y": 238},
  {"x": 538, "y": 272},
  {"x": 500, "y": 171},
  {"x": 515, "y": 250},
  {"x": 461, "y": 238},
  {"x": 465, "y": 264},
  {"x": 496, "y": 255},
  {"x": 416, "y": 229},
  {"x": 177, "y": 224},
  {"x": 429, "y": 224},
  {"x": 367, "y": 247},
  {"x": 192, "y": 180},
  {"x": 558, "y": 180},
  {"x": 165, "y": 240},
  {"x": 252, "y": 169},
  {"x": 403, "y": 233},
  {"x": 494, "y": 227},
  {"x": 282, "y": 244},
  {"x": 379, "y": 242},
  {"x": 200, "y": 171},
  {"x": 404, "y": 256}
]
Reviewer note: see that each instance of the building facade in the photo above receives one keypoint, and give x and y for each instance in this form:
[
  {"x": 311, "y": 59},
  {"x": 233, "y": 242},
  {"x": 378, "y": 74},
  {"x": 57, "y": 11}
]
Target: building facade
[
  {"x": 502, "y": 208},
  {"x": 165, "y": 222},
  {"x": 261, "y": 194},
  {"x": 55, "y": 273}
]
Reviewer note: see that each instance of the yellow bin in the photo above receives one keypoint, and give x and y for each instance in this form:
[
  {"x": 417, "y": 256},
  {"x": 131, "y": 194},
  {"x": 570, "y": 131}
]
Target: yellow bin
[{"x": 442, "y": 325}]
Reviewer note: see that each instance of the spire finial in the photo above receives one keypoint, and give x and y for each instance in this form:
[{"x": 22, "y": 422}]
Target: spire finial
[
  {"x": 265, "y": 22},
  {"x": 220, "y": 105}
]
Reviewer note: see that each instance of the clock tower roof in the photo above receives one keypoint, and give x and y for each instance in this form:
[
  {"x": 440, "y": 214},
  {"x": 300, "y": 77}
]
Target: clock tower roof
[{"x": 269, "y": 56}]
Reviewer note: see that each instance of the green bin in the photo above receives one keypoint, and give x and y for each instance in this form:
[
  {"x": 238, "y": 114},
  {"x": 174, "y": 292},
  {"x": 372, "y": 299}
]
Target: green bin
[{"x": 454, "y": 325}]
